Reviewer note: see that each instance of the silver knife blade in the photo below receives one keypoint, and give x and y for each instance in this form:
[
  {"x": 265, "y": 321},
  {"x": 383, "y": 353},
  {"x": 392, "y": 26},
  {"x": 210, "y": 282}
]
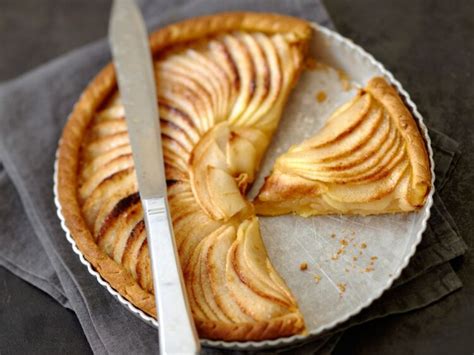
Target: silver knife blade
[{"x": 133, "y": 62}]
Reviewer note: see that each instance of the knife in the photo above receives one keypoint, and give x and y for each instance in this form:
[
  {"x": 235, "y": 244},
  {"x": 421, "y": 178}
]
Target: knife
[{"x": 133, "y": 64}]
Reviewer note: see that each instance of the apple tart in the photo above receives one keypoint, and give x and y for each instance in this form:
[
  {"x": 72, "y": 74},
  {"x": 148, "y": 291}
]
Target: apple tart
[
  {"x": 369, "y": 158},
  {"x": 222, "y": 82}
]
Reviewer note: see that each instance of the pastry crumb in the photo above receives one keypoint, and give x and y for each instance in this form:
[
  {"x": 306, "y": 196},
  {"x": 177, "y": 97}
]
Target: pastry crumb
[
  {"x": 317, "y": 278},
  {"x": 338, "y": 254},
  {"x": 321, "y": 96},
  {"x": 363, "y": 245},
  {"x": 369, "y": 269},
  {"x": 342, "y": 287},
  {"x": 345, "y": 82},
  {"x": 373, "y": 258},
  {"x": 342, "y": 250},
  {"x": 303, "y": 266},
  {"x": 333, "y": 236}
]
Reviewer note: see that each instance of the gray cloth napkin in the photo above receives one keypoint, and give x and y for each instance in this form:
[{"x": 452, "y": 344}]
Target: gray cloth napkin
[{"x": 33, "y": 110}]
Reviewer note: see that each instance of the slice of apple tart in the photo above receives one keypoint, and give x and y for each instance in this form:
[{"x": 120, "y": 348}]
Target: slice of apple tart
[
  {"x": 222, "y": 82},
  {"x": 369, "y": 158}
]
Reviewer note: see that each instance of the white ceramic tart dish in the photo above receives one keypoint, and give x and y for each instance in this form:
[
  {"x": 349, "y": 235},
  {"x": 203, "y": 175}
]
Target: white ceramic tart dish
[{"x": 348, "y": 262}]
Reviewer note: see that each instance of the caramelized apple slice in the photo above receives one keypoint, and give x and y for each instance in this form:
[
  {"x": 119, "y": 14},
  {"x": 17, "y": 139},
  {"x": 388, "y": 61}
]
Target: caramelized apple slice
[
  {"x": 245, "y": 275},
  {"x": 241, "y": 156},
  {"x": 252, "y": 264},
  {"x": 217, "y": 256},
  {"x": 224, "y": 192}
]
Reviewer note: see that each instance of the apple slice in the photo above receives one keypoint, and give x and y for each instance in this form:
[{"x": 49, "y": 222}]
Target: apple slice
[
  {"x": 333, "y": 129},
  {"x": 208, "y": 153},
  {"x": 205, "y": 283},
  {"x": 254, "y": 265},
  {"x": 194, "y": 237},
  {"x": 256, "y": 306},
  {"x": 217, "y": 256},
  {"x": 241, "y": 156},
  {"x": 224, "y": 192},
  {"x": 101, "y": 160},
  {"x": 258, "y": 139},
  {"x": 123, "y": 181},
  {"x": 191, "y": 278},
  {"x": 368, "y": 191},
  {"x": 118, "y": 164}
]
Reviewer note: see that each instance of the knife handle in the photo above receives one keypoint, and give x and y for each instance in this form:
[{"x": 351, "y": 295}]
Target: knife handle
[{"x": 176, "y": 326}]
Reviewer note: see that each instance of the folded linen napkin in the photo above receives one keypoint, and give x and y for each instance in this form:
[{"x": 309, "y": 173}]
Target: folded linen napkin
[{"x": 33, "y": 110}]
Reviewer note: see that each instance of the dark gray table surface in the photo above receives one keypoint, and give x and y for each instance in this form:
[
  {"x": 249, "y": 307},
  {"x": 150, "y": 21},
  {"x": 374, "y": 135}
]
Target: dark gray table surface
[{"x": 428, "y": 45}]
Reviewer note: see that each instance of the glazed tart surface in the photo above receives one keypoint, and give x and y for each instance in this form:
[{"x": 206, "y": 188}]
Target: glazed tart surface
[{"x": 222, "y": 83}]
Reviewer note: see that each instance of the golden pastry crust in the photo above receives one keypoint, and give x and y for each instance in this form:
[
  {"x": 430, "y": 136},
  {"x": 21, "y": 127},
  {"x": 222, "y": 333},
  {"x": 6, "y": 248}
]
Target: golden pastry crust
[
  {"x": 206, "y": 26},
  {"x": 369, "y": 158},
  {"x": 68, "y": 161},
  {"x": 70, "y": 146},
  {"x": 388, "y": 96},
  {"x": 277, "y": 327}
]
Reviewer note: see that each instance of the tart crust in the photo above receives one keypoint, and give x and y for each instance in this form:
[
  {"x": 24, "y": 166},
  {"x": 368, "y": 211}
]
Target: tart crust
[
  {"x": 421, "y": 173},
  {"x": 96, "y": 93}
]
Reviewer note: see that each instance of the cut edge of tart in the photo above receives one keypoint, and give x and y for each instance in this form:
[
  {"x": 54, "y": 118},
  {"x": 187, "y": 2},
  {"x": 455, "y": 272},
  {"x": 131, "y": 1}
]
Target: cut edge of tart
[
  {"x": 204, "y": 139},
  {"x": 369, "y": 158}
]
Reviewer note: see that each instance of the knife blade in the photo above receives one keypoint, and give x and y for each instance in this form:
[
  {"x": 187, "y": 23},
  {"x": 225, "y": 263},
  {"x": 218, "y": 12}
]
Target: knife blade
[{"x": 133, "y": 65}]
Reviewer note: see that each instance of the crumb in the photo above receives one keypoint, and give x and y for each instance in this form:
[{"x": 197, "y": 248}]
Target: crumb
[
  {"x": 338, "y": 254},
  {"x": 369, "y": 269},
  {"x": 354, "y": 258},
  {"x": 321, "y": 96},
  {"x": 344, "y": 242},
  {"x": 342, "y": 287},
  {"x": 373, "y": 258},
  {"x": 317, "y": 278},
  {"x": 311, "y": 63},
  {"x": 333, "y": 236},
  {"x": 303, "y": 266},
  {"x": 346, "y": 84},
  {"x": 363, "y": 245}
]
